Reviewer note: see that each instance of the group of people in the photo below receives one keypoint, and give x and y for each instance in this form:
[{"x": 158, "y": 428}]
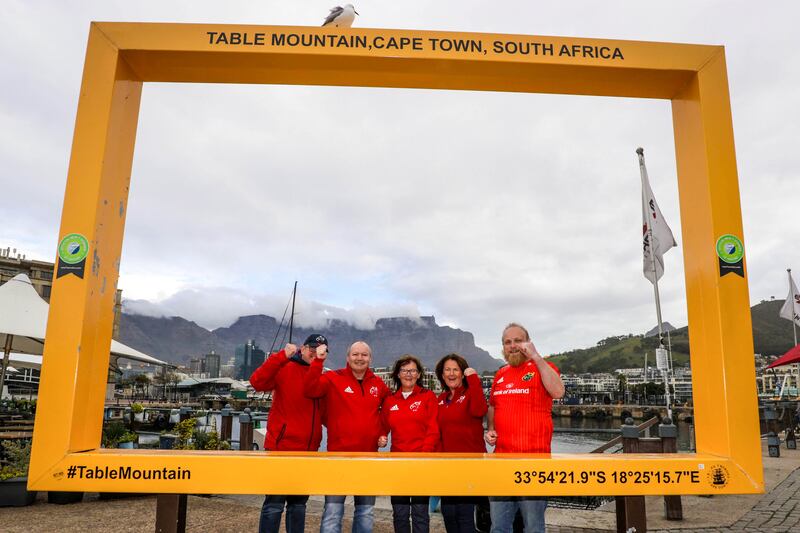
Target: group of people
[{"x": 361, "y": 414}]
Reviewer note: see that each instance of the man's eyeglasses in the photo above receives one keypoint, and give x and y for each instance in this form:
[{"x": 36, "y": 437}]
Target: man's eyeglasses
[{"x": 409, "y": 371}]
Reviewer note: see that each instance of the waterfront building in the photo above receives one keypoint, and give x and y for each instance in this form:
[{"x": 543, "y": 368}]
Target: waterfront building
[
  {"x": 194, "y": 388},
  {"x": 40, "y": 273},
  {"x": 781, "y": 381}
]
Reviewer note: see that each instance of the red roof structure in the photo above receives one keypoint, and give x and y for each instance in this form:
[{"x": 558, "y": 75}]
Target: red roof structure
[{"x": 792, "y": 356}]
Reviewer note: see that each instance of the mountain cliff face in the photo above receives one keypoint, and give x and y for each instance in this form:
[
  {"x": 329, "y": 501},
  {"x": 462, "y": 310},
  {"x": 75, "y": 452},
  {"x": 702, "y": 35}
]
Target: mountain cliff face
[{"x": 177, "y": 340}]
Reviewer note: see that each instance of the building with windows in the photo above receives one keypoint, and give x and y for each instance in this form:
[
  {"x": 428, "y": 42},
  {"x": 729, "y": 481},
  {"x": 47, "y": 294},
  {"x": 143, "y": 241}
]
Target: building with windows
[
  {"x": 248, "y": 357},
  {"x": 40, "y": 272},
  {"x": 41, "y": 275}
]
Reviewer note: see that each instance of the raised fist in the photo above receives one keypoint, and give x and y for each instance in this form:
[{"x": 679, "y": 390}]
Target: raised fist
[
  {"x": 322, "y": 351},
  {"x": 290, "y": 349}
]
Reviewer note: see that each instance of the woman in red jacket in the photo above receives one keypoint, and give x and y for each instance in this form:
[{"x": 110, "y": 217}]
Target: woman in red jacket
[
  {"x": 461, "y": 409},
  {"x": 410, "y": 415}
]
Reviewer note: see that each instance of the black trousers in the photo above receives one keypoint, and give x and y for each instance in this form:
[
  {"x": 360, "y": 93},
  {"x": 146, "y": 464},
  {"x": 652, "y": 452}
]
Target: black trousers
[
  {"x": 410, "y": 514},
  {"x": 459, "y": 514}
]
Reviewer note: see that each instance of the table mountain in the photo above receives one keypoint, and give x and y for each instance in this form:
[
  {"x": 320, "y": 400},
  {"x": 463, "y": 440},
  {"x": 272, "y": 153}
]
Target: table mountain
[{"x": 177, "y": 340}]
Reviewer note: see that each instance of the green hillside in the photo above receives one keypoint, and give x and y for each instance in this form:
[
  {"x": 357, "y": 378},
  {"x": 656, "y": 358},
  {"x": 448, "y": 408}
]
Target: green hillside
[
  {"x": 772, "y": 335},
  {"x": 624, "y": 351}
]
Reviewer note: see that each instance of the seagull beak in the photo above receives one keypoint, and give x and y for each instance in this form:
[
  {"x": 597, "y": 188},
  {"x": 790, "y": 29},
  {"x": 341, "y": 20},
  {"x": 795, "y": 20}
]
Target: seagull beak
[{"x": 356, "y": 12}]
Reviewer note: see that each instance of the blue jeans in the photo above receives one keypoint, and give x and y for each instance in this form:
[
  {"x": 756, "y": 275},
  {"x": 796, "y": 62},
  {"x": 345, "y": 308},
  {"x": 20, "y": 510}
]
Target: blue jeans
[
  {"x": 272, "y": 510},
  {"x": 504, "y": 508},
  {"x": 410, "y": 513},
  {"x": 334, "y": 512}
]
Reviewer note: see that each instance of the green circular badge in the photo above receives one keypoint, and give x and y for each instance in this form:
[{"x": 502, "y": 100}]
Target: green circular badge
[
  {"x": 730, "y": 248},
  {"x": 73, "y": 248}
]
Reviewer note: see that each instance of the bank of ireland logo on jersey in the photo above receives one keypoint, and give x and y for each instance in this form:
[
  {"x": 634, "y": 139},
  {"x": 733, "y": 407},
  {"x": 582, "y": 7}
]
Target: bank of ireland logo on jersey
[{"x": 72, "y": 252}]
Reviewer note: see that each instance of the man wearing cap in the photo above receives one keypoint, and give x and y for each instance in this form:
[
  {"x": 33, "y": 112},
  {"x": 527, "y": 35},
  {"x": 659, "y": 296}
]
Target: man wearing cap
[
  {"x": 294, "y": 423},
  {"x": 353, "y": 396},
  {"x": 520, "y": 420}
]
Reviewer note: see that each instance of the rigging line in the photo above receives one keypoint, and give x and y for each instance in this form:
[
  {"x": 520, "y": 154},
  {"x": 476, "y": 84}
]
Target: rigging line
[
  {"x": 291, "y": 317},
  {"x": 283, "y": 339},
  {"x": 278, "y": 331}
]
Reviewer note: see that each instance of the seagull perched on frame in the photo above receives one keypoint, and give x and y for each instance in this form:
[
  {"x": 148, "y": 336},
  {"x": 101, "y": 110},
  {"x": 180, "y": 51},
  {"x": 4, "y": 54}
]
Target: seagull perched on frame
[{"x": 341, "y": 17}]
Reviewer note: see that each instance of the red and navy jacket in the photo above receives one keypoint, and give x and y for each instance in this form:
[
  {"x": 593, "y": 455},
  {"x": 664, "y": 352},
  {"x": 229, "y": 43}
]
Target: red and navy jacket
[
  {"x": 294, "y": 422},
  {"x": 461, "y": 418},
  {"x": 352, "y": 407},
  {"x": 412, "y": 420}
]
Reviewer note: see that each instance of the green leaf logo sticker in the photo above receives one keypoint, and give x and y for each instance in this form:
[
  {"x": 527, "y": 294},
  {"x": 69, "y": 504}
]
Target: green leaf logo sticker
[
  {"x": 730, "y": 249},
  {"x": 73, "y": 248}
]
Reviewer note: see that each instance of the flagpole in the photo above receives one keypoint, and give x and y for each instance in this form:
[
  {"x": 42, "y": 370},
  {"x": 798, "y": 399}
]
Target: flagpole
[
  {"x": 791, "y": 293},
  {"x": 642, "y": 171}
]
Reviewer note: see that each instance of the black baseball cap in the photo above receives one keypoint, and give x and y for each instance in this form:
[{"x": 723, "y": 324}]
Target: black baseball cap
[{"x": 315, "y": 339}]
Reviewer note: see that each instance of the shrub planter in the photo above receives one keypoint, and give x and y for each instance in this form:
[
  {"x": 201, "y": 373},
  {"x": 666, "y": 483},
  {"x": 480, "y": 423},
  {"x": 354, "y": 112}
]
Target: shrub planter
[
  {"x": 14, "y": 492},
  {"x": 63, "y": 498}
]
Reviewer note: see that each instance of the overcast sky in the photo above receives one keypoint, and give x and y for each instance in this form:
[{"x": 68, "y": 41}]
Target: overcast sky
[{"x": 478, "y": 208}]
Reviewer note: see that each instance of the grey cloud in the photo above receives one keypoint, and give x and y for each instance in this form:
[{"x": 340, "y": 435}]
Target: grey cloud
[{"x": 479, "y": 208}]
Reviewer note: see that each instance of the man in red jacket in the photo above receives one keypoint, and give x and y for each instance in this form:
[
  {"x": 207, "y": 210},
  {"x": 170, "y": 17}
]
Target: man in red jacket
[
  {"x": 353, "y": 396},
  {"x": 294, "y": 423},
  {"x": 520, "y": 420}
]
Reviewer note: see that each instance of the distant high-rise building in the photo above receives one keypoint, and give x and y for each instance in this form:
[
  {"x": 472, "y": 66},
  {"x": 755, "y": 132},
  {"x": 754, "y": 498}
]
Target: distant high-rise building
[
  {"x": 251, "y": 358},
  {"x": 212, "y": 364},
  {"x": 196, "y": 366}
]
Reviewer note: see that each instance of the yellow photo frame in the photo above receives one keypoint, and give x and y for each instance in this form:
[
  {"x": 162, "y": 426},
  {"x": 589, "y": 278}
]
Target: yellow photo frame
[{"x": 121, "y": 57}]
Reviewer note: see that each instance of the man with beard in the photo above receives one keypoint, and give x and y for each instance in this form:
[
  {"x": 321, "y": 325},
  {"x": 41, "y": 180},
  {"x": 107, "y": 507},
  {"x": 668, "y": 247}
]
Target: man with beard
[
  {"x": 520, "y": 420},
  {"x": 353, "y": 396}
]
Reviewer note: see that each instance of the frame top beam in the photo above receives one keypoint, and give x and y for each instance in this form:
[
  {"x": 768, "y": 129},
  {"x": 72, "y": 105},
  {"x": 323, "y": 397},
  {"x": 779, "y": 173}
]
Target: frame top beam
[{"x": 297, "y": 55}]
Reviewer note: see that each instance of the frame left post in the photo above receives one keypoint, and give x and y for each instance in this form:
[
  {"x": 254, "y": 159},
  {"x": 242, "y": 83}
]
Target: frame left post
[{"x": 78, "y": 338}]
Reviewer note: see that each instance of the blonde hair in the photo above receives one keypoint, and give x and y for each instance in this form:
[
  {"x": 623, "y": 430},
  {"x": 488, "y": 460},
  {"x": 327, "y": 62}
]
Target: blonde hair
[{"x": 515, "y": 325}]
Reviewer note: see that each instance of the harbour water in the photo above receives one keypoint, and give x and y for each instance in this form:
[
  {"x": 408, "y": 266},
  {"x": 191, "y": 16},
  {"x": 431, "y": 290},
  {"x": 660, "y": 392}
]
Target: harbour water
[{"x": 583, "y": 440}]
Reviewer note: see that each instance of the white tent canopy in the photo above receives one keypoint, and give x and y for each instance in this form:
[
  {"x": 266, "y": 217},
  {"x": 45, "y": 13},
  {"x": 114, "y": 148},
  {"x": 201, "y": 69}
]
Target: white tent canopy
[{"x": 23, "y": 321}]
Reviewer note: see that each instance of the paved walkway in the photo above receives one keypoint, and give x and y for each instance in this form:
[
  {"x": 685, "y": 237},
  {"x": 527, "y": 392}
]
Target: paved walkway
[{"x": 776, "y": 511}]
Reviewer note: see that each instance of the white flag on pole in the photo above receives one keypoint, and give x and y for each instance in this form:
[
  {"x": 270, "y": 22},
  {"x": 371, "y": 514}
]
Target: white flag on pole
[
  {"x": 791, "y": 309},
  {"x": 653, "y": 227}
]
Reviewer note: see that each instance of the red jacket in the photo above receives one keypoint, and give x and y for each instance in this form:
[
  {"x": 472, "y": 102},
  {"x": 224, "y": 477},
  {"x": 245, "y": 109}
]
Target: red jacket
[
  {"x": 352, "y": 407},
  {"x": 461, "y": 418},
  {"x": 294, "y": 422},
  {"x": 412, "y": 420}
]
